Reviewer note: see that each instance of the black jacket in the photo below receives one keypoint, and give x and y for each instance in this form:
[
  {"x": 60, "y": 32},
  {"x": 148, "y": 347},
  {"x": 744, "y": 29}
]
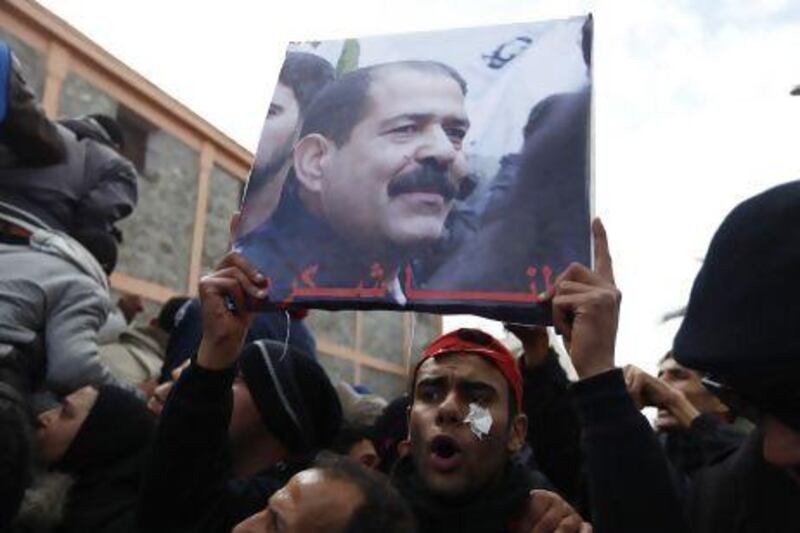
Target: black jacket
[
  {"x": 104, "y": 500},
  {"x": 706, "y": 442},
  {"x": 493, "y": 511},
  {"x": 188, "y": 483},
  {"x": 744, "y": 494},
  {"x": 631, "y": 487},
  {"x": 553, "y": 428},
  {"x": 600, "y": 451}
]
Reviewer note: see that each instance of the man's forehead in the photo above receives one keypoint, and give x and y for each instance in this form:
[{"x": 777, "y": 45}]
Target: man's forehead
[
  {"x": 84, "y": 396},
  {"x": 671, "y": 364},
  {"x": 467, "y": 366},
  {"x": 400, "y": 89},
  {"x": 283, "y": 95}
]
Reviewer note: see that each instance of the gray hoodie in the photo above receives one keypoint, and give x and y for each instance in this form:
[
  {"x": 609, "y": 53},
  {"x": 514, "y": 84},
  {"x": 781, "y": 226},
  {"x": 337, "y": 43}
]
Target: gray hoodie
[{"x": 54, "y": 298}]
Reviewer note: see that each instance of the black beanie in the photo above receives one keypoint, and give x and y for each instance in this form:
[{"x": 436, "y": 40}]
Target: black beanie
[
  {"x": 294, "y": 396},
  {"x": 118, "y": 426},
  {"x": 741, "y": 323}
]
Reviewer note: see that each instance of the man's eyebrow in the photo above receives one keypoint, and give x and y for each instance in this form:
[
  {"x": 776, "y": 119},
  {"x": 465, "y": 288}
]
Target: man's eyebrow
[
  {"x": 477, "y": 386},
  {"x": 459, "y": 122},
  {"x": 424, "y": 117},
  {"x": 273, "y": 105},
  {"x": 431, "y": 380}
]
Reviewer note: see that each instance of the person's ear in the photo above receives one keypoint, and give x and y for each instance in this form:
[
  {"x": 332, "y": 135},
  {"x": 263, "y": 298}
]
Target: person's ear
[
  {"x": 311, "y": 156},
  {"x": 518, "y": 431}
]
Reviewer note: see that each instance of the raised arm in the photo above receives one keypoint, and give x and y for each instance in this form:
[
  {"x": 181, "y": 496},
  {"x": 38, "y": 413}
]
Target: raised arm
[
  {"x": 185, "y": 486},
  {"x": 630, "y": 486}
]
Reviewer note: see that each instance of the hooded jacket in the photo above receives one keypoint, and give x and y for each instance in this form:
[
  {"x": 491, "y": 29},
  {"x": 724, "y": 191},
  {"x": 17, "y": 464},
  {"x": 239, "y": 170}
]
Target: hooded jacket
[{"x": 53, "y": 299}]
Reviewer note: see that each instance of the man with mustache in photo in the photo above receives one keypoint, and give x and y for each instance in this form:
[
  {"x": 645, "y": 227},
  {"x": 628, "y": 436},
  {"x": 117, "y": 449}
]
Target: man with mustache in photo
[{"x": 377, "y": 167}]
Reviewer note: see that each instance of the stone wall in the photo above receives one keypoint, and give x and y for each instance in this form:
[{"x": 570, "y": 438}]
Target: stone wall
[
  {"x": 382, "y": 336},
  {"x": 390, "y": 386},
  {"x": 426, "y": 328},
  {"x": 79, "y": 97},
  {"x": 158, "y": 236},
  {"x": 223, "y": 200},
  {"x": 334, "y": 326},
  {"x": 337, "y": 368},
  {"x": 33, "y": 63}
]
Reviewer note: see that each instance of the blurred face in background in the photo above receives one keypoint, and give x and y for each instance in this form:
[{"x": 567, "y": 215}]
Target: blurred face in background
[
  {"x": 273, "y": 160},
  {"x": 364, "y": 452},
  {"x": 280, "y": 127},
  {"x": 689, "y": 382},
  {"x": 59, "y": 426}
]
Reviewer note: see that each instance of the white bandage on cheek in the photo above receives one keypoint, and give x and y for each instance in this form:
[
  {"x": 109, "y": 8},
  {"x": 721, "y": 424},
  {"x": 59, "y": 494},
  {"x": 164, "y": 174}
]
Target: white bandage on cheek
[{"x": 479, "y": 420}]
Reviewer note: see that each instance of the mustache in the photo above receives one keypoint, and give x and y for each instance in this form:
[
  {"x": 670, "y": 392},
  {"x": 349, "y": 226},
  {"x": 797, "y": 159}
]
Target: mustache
[{"x": 427, "y": 178}]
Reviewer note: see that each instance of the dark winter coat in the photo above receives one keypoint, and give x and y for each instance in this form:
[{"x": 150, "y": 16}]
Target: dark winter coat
[
  {"x": 631, "y": 486},
  {"x": 188, "y": 483},
  {"x": 744, "y": 494},
  {"x": 493, "y": 511},
  {"x": 706, "y": 442},
  {"x": 553, "y": 428}
]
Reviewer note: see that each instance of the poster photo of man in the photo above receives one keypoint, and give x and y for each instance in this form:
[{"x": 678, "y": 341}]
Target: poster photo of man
[{"x": 441, "y": 171}]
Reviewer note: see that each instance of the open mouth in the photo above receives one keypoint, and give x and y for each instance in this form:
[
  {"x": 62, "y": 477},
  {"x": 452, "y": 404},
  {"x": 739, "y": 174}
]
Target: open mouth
[{"x": 445, "y": 453}]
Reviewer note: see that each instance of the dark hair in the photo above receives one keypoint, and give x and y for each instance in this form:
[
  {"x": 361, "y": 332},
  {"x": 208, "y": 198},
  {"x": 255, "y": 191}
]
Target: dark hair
[
  {"x": 341, "y": 105},
  {"x": 538, "y": 113},
  {"x": 349, "y": 435},
  {"x": 382, "y": 510},
  {"x": 166, "y": 317},
  {"x": 305, "y": 74},
  {"x": 390, "y": 428}
]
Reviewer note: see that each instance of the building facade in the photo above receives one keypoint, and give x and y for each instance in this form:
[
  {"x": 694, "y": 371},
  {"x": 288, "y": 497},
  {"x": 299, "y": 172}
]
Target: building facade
[{"x": 191, "y": 180}]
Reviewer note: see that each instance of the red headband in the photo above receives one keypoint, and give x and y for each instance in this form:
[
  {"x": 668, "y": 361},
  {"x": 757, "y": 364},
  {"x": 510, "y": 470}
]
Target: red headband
[{"x": 473, "y": 341}]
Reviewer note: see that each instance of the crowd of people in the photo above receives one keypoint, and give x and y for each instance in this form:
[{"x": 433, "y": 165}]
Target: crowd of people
[{"x": 212, "y": 418}]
